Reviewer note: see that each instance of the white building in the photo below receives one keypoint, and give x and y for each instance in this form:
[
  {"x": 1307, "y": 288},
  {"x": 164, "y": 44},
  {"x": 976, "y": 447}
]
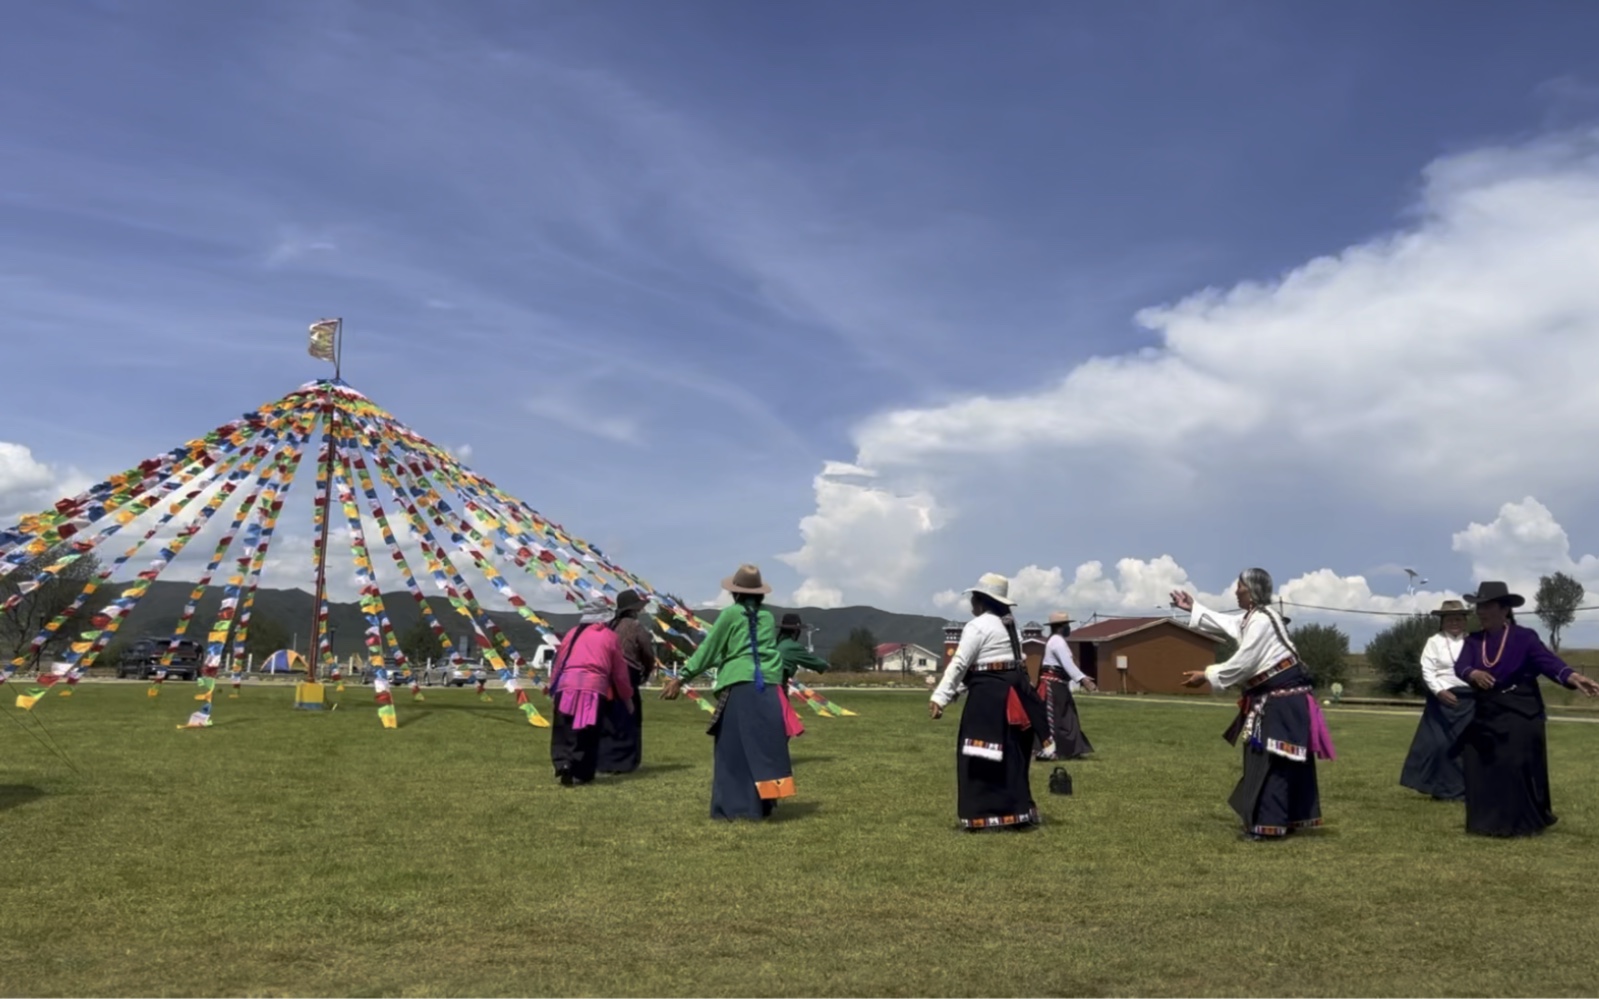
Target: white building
[{"x": 906, "y": 657}]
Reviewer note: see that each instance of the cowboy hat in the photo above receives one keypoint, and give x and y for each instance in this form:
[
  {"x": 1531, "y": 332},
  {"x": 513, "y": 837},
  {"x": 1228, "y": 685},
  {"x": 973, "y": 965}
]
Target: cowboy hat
[
  {"x": 1059, "y": 617},
  {"x": 791, "y": 620},
  {"x": 992, "y": 584},
  {"x": 746, "y": 580},
  {"x": 628, "y": 600},
  {"x": 1451, "y": 607},
  {"x": 1495, "y": 591}
]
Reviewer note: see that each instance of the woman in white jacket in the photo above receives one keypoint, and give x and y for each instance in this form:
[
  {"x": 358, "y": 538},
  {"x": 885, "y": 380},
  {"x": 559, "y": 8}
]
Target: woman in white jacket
[
  {"x": 1433, "y": 764},
  {"x": 1277, "y": 715}
]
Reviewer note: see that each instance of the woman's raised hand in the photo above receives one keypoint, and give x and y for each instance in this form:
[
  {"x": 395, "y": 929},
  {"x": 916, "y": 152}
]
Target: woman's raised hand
[{"x": 1181, "y": 600}]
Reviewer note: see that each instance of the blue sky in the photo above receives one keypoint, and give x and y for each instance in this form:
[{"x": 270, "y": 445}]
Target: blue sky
[{"x": 657, "y": 264}]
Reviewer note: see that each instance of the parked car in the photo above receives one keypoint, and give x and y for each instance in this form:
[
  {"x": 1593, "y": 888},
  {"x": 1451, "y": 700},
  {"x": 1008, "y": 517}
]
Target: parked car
[
  {"x": 463, "y": 673},
  {"x": 143, "y": 659}
]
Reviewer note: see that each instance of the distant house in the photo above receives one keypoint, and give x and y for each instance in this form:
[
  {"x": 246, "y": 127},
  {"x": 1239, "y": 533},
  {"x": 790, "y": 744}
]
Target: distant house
[
  {"x": 905, "y": 657},
  {"x": 1156, "y": 652}
]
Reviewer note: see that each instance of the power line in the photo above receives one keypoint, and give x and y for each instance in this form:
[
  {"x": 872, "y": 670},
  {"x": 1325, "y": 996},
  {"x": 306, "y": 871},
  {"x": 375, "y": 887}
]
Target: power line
[
  {"x": 1379, "y": 613},
  {"x": 1318, "y": 607}
]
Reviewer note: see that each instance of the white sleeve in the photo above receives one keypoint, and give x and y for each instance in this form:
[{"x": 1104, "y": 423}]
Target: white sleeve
[
  {"x": 1437, "y": 665},
  {"x": 1202, "y": 618},
  {"x": 1058, "y": 653},
  {"x": 965, "y": 655},
  {"x": 1254, "y": 643}
]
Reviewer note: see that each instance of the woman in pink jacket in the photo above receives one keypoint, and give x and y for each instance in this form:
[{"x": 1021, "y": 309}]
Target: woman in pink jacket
[{"x": 589, "y": 668}]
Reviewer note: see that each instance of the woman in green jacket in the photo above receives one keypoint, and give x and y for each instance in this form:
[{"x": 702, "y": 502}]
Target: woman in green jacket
[{"x": 751, "y": 769}]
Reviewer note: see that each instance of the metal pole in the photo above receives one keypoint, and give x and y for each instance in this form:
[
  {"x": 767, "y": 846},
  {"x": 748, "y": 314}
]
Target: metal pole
[{"x": 312, "y": 661}]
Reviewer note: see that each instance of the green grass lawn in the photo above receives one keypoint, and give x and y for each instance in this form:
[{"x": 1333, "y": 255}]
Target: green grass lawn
[{"x": 291, "y": 853}]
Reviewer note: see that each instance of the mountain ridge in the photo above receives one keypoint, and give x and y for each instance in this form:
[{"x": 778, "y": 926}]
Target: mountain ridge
[{"x": 157, "y": 613}]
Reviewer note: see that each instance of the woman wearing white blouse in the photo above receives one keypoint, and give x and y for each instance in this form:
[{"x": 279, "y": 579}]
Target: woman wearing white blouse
[
  {"x": 1057, "y": 677},
  {"x": 994, "y": 752},
  {"x": 1278, "y": 715},
  {"x": 1433, "y": 764}
]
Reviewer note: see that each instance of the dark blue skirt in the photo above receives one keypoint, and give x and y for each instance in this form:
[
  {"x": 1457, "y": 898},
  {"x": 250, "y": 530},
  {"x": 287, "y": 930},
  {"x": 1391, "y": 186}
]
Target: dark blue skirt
[
  {"x": 621, "y": 747},
  {"x": 751, "y": 770},
  {"x": 1278, "y": 793},
  {"x": 1433, "y": 765}
]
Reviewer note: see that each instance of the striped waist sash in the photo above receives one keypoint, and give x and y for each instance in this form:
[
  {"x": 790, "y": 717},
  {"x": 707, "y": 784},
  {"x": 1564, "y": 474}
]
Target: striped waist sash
[{"x": 999, "y": 667}]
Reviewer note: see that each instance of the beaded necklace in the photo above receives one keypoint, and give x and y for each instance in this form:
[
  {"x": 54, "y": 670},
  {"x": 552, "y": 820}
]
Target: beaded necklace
[{"x": 1491, "y": 663}]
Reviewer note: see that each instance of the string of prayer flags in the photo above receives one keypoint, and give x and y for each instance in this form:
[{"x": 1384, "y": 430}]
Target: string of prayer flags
[
  {"x": 818, "y": 703},
  {"x": 385, "y": 700},
  {"x": 514, "y": 687}
]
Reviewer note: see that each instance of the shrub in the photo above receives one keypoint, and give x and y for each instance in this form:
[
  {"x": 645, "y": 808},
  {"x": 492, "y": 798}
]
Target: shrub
[
  {"x": 1395, "y": 654},
  {"x": 1324, "y": 650}
]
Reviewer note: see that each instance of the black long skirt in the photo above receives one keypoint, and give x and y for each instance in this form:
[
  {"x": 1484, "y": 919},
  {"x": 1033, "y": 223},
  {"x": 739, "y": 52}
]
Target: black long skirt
[
  {"x": 992, "y": 756},
  {"x": 1278, "y": 793},
  {"x": 621, "y": 748},
  {"x": 1063, "y": 723},
  {"x": 751, "y": 770},
  {"x": 1433, "y": 765},
  {"x": 1506, "y": 760},
  {"x": 574, "y": 751}
]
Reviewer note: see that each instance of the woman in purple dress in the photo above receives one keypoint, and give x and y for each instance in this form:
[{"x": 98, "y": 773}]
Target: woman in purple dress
[{"x": 1504, "y": 750}]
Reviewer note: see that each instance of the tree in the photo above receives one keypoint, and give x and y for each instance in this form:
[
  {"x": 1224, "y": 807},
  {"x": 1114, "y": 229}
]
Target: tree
[
  {"x": 1226, "y": 649},
  {"x": 420, "y": 644},
  {"x": 1395, "y": 654},
  {"x": 858, "y": 651},
  {"x": 266, "y": 636},
  {"x": 1324, "y": 651},
  {"x": 23, "y": 621},
  {"x": 1559, "y": 596}
]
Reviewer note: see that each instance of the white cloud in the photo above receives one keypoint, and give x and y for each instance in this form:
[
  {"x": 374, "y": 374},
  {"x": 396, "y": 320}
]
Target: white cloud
[
  {"x": 572, "y": 415},
  {"x": 1367, "y": 363},
  {"x": 722, "y": 599},
  {"x": 293, "y": 243},
  {"x": 1355, "y": 369},
  {"x": 28, "y": 485},
  {"x": 1521, "y": 544},
  {"x": 861, "y": 536}
]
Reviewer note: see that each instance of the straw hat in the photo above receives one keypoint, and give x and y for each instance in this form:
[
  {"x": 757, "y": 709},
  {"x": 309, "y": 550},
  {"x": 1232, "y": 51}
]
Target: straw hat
[
  {"x": 1451, "y": 607},
  {"x": 746, "y": 580},
  {"x": 992, "y": 584}
]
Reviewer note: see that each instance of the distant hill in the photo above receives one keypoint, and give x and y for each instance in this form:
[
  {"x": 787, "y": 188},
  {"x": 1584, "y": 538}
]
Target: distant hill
[{"x": 158, "y": 611}]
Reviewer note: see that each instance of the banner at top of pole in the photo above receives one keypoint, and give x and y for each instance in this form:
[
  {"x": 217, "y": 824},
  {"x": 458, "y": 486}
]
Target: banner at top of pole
[{"x": 323, "y": 333}]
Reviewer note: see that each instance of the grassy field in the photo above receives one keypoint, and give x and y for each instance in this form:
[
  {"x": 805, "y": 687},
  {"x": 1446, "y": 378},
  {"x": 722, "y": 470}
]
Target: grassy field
[{"x": 285, "y": 853}]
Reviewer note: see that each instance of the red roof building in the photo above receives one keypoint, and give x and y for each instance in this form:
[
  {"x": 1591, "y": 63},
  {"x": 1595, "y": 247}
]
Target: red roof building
[{"x": 1142, "y": 655}]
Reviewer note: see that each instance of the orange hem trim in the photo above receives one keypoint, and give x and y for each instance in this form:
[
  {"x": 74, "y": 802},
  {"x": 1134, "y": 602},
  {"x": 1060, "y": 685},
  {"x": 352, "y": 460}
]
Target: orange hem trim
[{"x": 783, "y": 787}]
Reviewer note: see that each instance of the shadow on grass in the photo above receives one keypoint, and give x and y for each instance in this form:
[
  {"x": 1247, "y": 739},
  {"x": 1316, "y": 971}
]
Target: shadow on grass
[
  {"x": 645, "y": 772},
  {"x": 16, "y": 795},
  {"x": 493, "y": 712},
  {"x": 794, "y": 810}
]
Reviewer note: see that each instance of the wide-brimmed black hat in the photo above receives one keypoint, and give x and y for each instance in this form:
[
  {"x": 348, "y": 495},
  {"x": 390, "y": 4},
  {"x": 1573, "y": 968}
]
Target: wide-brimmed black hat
[
  {"x": 1495, "y": 591},
  {"x": 791, "y": 620},
  {"x": 628, "y": 600}
]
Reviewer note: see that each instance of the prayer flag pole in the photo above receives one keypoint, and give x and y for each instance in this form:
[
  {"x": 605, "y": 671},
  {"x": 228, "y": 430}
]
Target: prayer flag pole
[{"x": 327, "y": 343}]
